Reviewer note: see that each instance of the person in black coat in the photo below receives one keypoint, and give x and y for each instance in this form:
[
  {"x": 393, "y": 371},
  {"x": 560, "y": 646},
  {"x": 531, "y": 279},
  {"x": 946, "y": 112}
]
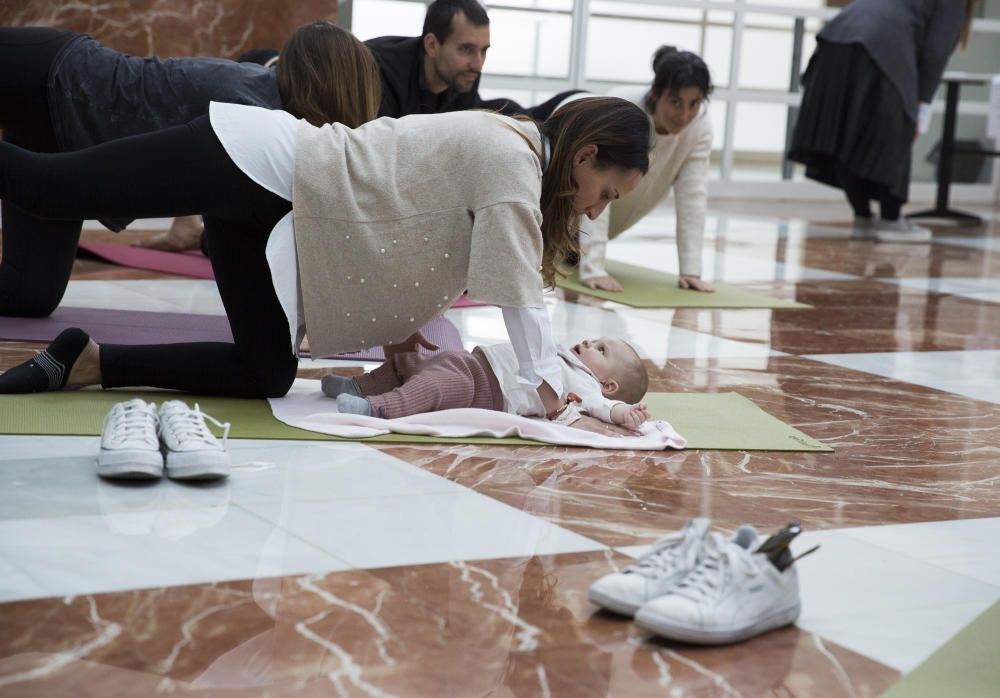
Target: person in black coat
[{"x": 877, "y": 64}]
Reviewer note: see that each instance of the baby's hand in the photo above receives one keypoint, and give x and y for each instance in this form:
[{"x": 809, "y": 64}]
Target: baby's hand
[{"x": 634, "y": 416}]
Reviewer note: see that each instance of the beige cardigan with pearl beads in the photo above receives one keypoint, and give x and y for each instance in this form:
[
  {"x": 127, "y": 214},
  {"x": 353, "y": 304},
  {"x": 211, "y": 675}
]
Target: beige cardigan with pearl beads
[{"x": 395, "y": 219}]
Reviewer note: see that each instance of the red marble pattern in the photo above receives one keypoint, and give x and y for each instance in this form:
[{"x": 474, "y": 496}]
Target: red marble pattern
[
  {"x": 224, "y": 29},
  {"x": 513, "y": 627}
]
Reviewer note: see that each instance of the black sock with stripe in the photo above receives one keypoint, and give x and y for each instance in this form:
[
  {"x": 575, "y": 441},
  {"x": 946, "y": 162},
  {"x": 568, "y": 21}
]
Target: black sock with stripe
[{"x": 50, "y": 368}]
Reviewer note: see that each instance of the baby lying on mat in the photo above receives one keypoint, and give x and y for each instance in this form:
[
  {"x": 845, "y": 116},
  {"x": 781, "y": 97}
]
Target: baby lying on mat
[{"x": 605, "y": 379}]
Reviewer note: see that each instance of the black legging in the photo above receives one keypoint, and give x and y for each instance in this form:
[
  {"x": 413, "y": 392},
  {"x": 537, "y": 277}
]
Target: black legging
[
  {"x": 182, "y": 170},
  {"x": 33, "y": 277},
  {"x": 860, "y": 193}
]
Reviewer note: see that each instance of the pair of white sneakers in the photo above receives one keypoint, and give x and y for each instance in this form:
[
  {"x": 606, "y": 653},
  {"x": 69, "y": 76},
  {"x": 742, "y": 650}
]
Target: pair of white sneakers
[
  {"x": 139, "y": 442},
  {"x": 698, "y": 586}
]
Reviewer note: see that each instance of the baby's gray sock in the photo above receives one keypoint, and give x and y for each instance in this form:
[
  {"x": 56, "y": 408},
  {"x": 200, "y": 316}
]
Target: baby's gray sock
[
  {"x": 333, "y": 385},
  {"x": 352, "y": 404}
]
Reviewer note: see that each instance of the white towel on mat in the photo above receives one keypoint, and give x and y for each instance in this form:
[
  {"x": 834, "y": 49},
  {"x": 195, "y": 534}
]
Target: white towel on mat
[{"x": 306, "y": 407}]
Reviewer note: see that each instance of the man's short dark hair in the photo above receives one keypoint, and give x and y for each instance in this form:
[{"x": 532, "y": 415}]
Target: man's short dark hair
[{"x": 440, "y": 12}]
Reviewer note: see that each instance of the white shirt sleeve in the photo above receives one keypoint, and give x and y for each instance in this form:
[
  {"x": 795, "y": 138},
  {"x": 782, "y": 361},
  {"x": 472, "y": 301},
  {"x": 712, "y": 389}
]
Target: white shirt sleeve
[{"x": 537, "y": 358}]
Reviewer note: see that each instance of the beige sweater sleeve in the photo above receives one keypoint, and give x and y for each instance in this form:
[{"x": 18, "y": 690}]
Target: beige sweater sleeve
[{"x": 691, "y": 201}]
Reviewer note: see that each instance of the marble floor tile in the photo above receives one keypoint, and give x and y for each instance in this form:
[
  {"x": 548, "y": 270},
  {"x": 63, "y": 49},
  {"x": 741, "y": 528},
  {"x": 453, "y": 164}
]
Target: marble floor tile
[
  {"x": 974, "y": 374},
  {"x": 884, "y": 604},
  {"x": 413, "y": 530},
  {"x": 429, "y": 570},
  {"x": 513, "y": 627}
]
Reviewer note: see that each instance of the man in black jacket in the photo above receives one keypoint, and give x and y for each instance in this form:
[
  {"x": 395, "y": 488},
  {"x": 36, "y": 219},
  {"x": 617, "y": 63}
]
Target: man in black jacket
[{"x": 440, "y": 70}]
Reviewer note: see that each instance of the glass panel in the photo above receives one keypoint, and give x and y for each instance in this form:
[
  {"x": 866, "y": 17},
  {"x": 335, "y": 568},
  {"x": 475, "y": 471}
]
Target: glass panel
[
  {"x": 718, "y": 53},
  {"x": 628, "y": 9},
  {"x": 759, "y": 141},
  {"x": 766, "y": 59},
  {"x": 753, "y": 20},
  {"x": 717, "y": 113},
  {"x": 621, "y": 49},
  {"x": 556, "y": 5},
  {"x": 371, "y": 18},
  {"x": 966, "y": 169},
  {"x": 529, "y": 43}
]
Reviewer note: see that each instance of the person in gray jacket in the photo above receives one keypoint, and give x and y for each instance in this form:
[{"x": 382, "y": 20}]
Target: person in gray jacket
[
  {"x": 876, "y": 63},
  {"x": 61, "y": 91}
]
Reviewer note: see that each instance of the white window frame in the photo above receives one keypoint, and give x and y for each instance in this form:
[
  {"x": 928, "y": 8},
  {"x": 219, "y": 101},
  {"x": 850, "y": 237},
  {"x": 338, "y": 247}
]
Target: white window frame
[{"x": 726, "y": 186}]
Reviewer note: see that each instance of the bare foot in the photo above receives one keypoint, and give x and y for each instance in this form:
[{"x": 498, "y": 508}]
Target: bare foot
[
  {"x": 87, "y": 369},
  {"x": 184, "y": 234}
]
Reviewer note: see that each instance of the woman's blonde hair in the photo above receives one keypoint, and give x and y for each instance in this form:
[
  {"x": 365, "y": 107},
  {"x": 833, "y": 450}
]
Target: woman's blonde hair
[
  {"x": 325, "y": 75},
  {"x": 619, "y": 129}
]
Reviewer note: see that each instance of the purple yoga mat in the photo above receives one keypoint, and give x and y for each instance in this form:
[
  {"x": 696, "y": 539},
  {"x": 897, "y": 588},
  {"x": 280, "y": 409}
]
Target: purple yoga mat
[
  {"x": 119, "y": 326},
  {"x": 183, "y": 263},
  {"x": 136, "y": 327}
]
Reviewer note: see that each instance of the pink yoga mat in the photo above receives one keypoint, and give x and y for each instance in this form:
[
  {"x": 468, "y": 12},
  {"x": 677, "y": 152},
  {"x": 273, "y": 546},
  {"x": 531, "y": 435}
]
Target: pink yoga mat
[
  {"x": 183, "y": 263},
  {"x": 135, "y": 327}
]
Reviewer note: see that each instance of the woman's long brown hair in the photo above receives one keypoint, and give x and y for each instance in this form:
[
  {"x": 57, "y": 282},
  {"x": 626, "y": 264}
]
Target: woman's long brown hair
[
  {"x": 621, "y": 132},
  {"x": 326, "y": 75}
]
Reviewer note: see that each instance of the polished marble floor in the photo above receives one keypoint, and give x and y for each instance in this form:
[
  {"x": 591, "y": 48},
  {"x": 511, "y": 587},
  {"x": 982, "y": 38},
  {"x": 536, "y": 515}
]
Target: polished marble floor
[{"x": 412, "y": 570}]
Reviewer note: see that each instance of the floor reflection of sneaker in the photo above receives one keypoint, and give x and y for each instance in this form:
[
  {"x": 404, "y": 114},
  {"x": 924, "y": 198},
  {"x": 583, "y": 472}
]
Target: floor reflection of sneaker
[
  {"x": 668, "y": 562},
  {"x": 902, "y": 230},
  {"x": 192, "y": 451},
  {"x": 129, "y": 445},
  {"x": 732, "y": 595}
]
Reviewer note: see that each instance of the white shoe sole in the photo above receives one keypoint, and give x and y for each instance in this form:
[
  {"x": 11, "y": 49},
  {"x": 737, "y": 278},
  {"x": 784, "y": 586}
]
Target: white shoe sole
[
  {"x": 672, "y": 630},
  {"x": 610, "y": 603},
  {"x": 133, "y": 465},
  {"x": 209, "y": 465},
  {"x": 892, "y": 236}
]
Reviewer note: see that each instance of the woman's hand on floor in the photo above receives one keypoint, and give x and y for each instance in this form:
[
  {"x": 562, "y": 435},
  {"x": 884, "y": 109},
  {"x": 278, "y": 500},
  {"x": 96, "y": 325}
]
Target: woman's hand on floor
[
  {"x": 693, "y": 283},
  {"x": 410, "y": 344},
  {"x": 604, "y": 283}
]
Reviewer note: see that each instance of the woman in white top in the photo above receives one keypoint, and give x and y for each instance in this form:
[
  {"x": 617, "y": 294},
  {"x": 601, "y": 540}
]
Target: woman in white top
[
  {"x": 391, "y": 222},
  {"x": 681, "y": 145}
]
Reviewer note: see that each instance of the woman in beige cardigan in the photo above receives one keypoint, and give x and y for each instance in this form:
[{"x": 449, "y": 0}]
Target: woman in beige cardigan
[
  {"x": 391, "y": 222},
  {"x": 681, "y": 145}
]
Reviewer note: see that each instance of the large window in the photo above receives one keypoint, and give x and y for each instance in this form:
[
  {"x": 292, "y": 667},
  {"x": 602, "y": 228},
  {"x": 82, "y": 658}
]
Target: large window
[{"x": 755, "y": 50}]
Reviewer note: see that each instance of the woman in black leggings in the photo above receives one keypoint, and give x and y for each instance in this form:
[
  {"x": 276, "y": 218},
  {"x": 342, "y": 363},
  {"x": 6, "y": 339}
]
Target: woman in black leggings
[
  {"x": 483, "y": 179},
  {"x": 61, "y": 91}
]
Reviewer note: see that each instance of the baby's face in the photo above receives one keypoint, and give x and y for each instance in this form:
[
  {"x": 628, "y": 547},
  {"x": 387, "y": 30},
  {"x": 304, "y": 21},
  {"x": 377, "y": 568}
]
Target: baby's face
[{"x": 604, "y": 356}]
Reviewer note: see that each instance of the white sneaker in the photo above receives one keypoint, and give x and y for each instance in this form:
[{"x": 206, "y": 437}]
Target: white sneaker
[
  {"x": 668, "y": 562},
  {"x": 732, "y": 595},
  {"x": 129, "y": 446},
  {"x": 192, "y": 451},
  {"x": 902, "y": 230}
]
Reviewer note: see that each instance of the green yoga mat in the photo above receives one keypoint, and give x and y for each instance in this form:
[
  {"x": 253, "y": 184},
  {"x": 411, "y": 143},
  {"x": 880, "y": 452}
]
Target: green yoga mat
[
  {"x": 648, "y": 288},
  {"x": 965, "y": 666},
  {"x": 711, "y": 421}
]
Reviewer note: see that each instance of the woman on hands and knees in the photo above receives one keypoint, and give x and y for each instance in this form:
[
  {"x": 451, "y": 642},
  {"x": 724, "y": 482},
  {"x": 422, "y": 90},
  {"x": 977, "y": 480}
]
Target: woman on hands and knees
[{"x": 474, "y": 187}]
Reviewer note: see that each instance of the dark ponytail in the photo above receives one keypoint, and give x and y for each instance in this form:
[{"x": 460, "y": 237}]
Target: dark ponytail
[{"x": 674, "y": 70}]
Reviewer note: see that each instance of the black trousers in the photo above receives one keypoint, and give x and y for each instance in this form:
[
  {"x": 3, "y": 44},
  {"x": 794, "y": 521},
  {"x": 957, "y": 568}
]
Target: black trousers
[
  {"x": 182, "y": 170},
  {"x": 38, "y": 254}
]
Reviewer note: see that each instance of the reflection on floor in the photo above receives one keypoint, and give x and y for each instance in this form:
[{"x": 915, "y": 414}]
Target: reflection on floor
[{"x": 412, "y": 570}]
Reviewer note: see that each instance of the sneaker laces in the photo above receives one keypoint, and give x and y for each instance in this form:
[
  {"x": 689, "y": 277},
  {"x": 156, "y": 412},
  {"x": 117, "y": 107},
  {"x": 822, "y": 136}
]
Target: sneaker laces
[
  {"x": 189, "y": 424},
  {"x": 132, "y": 421},
  {"x": 723, "y": 559},
  {"x": 667, "y": 554}
]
